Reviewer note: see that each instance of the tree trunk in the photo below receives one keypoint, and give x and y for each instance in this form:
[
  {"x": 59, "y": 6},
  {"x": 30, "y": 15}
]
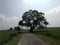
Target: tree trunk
[{"x": 31, "y": 29}]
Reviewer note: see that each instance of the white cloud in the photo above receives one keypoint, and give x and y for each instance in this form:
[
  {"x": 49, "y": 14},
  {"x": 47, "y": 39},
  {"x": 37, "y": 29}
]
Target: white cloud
[
  {"x": 2, "y": 17},
  {"x": 27, "y": 1},
  {"x": 54, "y": 10},
  {"x": 7, "y": 22},
  {"x": 53, "y": 16},
  {"x": 35, "y": 1}
]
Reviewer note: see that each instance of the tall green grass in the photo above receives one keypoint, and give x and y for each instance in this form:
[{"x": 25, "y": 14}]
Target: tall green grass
[
  {"x": 14, "y": 41},
  {"x": 6, "y": 36},
  {"x": 55, "y": 33},
  {"x": 52, "y": 36}
]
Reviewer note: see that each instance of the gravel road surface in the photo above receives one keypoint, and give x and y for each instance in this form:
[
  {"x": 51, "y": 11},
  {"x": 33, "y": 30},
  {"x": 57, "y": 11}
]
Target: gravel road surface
[{"x": 30, "y": 39}]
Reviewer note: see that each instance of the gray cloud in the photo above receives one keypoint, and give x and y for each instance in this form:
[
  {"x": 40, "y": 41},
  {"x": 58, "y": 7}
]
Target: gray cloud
[
  {"x": 53, "y": 16},
  {"x": 7, "y": 22},
  {"x": 9, "y": 9},
  {"x": 2, "y": 17}
]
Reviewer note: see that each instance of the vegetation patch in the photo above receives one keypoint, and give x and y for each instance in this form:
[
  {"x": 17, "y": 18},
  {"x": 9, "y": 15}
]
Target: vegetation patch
[
  {"x": 49, "y": 35},
  {"x": 49, "y": 40},
  {"x": 14, "y": 41},
  {"x": 7, "y": 36}
]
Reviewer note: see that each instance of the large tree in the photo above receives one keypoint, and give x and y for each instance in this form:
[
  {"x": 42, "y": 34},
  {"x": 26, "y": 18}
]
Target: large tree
[{"x": 32, "y": 19}]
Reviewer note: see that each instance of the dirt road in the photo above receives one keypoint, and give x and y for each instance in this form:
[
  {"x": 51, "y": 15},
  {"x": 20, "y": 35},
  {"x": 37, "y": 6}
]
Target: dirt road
[{"x": 30, "y": 39}]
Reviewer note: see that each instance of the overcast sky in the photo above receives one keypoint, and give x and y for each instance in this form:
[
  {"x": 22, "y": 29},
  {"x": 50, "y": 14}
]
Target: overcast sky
[{"x": 11, "y": 11}]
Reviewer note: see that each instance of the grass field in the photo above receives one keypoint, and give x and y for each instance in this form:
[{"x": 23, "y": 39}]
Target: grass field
[
  {"x": 9, "y": 37},
  {"x": 52, "y": 36},
  {"x": 4, "y": 35},
  {"x": 14, "y": 41}
]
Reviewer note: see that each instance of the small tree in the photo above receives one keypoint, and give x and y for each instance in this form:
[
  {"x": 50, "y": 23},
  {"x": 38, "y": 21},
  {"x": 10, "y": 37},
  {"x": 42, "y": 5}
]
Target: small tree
[
  {"x": 32, "y": 19},
  {"x": 11, "y": 29},
  {"x": 17, "y": 28}
]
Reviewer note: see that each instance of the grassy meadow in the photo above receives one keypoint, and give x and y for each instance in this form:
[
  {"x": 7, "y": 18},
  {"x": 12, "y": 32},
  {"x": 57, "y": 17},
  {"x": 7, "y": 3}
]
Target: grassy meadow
[
  {"x": 51, "y": 36},
  {"x": 9, "y": 37}
]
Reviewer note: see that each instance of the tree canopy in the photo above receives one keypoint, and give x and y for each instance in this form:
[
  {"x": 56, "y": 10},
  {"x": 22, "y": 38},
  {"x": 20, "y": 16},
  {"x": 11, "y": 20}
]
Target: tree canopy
[{"x": 32, "y": 19}]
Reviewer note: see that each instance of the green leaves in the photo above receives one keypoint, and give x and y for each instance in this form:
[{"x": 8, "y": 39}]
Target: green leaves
[{"x": 36, "y": 17}]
